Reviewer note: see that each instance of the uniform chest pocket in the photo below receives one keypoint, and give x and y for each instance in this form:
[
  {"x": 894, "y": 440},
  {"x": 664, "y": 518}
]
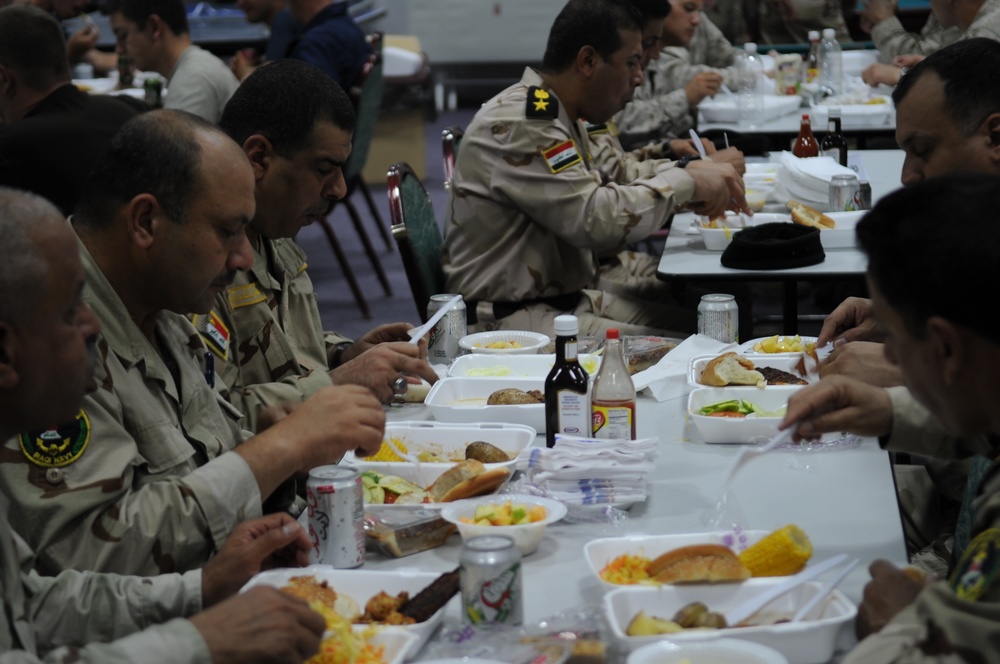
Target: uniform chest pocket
[{"x": 163, "y": 446}]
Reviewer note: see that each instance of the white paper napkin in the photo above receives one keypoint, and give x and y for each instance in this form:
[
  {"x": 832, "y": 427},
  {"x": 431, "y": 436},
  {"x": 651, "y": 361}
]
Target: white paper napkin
[
  {"x": 807, "y": 180},
  {"x": 667, "y": 379}
]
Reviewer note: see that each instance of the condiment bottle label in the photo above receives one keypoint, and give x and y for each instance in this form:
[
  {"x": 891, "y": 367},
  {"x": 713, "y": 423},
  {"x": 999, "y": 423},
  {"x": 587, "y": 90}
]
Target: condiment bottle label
[
  {"x": 613, "y": 422},
  {"x": 574, "y": 413}
]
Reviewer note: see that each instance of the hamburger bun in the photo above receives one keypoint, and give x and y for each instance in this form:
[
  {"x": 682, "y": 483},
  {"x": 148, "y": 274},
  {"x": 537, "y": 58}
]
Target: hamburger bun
[
  {"x": 467, "y": 479},
  {"x": 699, "y": 563},
  {"x": 731, "y": 369},
  {"x": 807, "y": 216}
]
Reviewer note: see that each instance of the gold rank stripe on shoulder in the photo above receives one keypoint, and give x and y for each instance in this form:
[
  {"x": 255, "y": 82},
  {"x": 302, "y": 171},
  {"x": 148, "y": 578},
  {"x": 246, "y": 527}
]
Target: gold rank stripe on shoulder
[
  {"x": 596, "y": 129},
  {"x": 302, "y": 268},
  {"x": 562, "y": 156},
  {"x": 244, "y": 296},
  {"x": 214, "y": 333}
]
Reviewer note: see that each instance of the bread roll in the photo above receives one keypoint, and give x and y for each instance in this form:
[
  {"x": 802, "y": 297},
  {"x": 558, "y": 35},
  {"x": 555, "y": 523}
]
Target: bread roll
[
  {"x": 807, "y": 216},
  {"x": 467, "y": 479},
  {"x": 730, "y": 369},
  {"x": 698, "y": 563}
]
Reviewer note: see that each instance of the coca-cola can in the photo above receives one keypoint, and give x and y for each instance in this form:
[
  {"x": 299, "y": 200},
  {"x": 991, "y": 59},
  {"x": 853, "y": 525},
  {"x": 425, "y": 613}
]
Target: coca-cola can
[
  {"x": 845, "y": 193},
  {"x": 336, "y": 517},
  {"x": 443, "y": 346},
  {"x": 491, "y": 581},
  {"x": 718, "y": 317}
]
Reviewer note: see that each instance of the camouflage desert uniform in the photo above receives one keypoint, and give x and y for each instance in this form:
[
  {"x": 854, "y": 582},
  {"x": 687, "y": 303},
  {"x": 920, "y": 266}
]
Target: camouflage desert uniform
[
  {"x": 659, "y": 110},
  {"x": 789, "y": 21},
  {"x": 986, "y": 22},
  {"x": 958, "y": 619},
  {"x": 728, "y": 16},
  {"x": 50, "y": 619},
  {"x": 266, "y": 332},
  {"x": 144, "y": 484},
  {"x": 529, "y": 214},
  {"x": 892, "y": 39}
]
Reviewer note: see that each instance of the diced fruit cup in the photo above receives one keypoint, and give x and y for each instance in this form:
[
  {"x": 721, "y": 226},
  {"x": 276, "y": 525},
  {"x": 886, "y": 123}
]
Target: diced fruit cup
[{"x": 492, "y": 510}]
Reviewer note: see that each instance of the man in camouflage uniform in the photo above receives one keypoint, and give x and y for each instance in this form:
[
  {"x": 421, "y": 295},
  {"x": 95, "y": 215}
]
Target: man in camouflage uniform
[
  {"x": 155, "y": 471},
  {"x": 947, "y": 346},
  {"x": 529, "y": 214},
  {"x": 789, "y": 21},
  {"x": 696, "y": 61},
  {"x": 878, "y": 18},
  {"x": 47, "y": 335},
  {"x": 295, "y": 126}
]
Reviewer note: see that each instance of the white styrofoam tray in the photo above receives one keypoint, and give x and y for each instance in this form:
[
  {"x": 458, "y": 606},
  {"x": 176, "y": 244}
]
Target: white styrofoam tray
[
  {"x": 750, "y": 429},
  {"x": 464, "y": 400},
  {"x": 784, "y": 362},
  {"x": 516, "y": 366},
  {"x": 724, "y": 108}
]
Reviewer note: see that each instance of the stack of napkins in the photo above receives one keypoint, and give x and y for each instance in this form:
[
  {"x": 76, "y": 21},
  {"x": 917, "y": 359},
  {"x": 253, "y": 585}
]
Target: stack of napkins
[
  {"x": 807, "y": 180},
  {"x": 592, "y": 471}
]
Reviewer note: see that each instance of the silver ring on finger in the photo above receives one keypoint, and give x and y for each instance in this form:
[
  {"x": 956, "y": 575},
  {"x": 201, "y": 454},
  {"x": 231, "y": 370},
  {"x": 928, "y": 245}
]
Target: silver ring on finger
[{"x": 399, "y": 386}]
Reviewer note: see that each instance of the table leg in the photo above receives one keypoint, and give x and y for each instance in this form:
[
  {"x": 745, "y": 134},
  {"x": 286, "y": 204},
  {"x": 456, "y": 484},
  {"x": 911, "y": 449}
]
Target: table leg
[{"x": 790, "y": 307}]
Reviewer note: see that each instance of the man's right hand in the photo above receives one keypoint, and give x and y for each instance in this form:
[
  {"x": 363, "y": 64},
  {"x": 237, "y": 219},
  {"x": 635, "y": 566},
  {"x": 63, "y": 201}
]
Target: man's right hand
[
  {"x": 839, "y": 404},
  {"x": 261, "y": 625},
  {"x": 851, "y": 321},
  {"x": 876, "y": 11},
  {"x": 731, "y": 156},
  {"x": 864, "y": 361},
  {"x": 705, "y": 84},
  {"x": 717, "y": 188}
]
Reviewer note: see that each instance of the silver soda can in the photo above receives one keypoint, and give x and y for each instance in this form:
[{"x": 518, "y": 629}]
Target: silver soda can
[
  {"x": 336, "y": 517},
  {"x": 443, "y": 346},
  {"x": 845, "y": 193},
  {"x": 490, "y": 577},
  {"x": 865, "y": 195},
  {"x": 718, "y": 317}
]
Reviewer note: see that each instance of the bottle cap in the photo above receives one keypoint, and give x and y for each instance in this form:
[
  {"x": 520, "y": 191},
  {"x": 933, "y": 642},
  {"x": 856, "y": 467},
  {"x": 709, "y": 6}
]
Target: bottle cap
[
  {"x": 813, "y": 34},
  {"x": 750, "y": 47},
  {"x": 829, "y": 33},
  {"x": 612, "y": 333},
  {"x": 805, "y": 117},
  {"x": 567, "y": 326}
]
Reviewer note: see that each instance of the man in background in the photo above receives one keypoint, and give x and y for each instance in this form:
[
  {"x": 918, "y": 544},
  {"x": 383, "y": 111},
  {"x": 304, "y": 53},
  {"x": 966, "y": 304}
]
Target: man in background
[
  {"x": 51, "y": 132},
  {"x": 47, "y": 343},
  {"x": 154, "y": 35},
  {"x": 330, "y": 39},
  {"x": 282, "y": 28}
]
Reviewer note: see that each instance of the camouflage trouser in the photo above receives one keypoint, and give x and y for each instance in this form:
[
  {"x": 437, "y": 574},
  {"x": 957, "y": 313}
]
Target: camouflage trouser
[{"x": 929, "y": 496}]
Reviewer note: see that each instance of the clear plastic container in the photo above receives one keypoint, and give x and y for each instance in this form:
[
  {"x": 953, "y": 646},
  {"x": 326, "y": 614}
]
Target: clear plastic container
[
  {"x": 831, "y": 62},
  {"x": 750, "y": 92}
]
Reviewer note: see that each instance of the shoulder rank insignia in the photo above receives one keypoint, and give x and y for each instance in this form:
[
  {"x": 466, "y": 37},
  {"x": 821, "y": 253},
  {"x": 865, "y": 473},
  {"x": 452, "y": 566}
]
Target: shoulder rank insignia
[
  {"x": 214, "y": 332},
  {"x": 541, "y": 104},
  {"x": 597, "y": 129},
  {"x": 978, "y": 567},
  {"x": 244, "y": 296},
  {"x": 562, "y": 156},
  {"x": 61, "y": 446}
]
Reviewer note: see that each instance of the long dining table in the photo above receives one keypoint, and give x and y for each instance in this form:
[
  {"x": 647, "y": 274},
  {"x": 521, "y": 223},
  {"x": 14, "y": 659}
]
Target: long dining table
[{"x": 843, "y": 496}]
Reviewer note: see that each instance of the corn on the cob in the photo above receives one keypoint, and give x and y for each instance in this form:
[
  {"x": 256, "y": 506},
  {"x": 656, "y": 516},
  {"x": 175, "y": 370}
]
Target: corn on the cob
[
  {"x": 783, "y": 552},
  {"x": 385, "y": 452}
]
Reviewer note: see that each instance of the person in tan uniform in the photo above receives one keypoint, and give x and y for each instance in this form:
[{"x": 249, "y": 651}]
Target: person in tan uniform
[
  {"x": 878, "y": 18},
  {"x": 529, "y": 215},
  {"x": 974, "y": 18},
  {"x": 947, "y": 345},
  {"x": 295, "y": 125},
  {"x": 789, "y": 21},
  {"x": 47, "y": 338},
  {"x": 156, "y": 470}
]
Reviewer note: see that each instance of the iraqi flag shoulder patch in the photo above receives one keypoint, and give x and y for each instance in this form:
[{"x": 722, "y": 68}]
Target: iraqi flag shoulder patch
[{"x": 561, "y": 156}]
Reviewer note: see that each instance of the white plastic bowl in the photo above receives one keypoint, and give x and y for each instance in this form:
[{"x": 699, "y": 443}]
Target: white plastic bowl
[
  {"x": 750, "y": 429},
  {"x": 805, "y": 642},
  {"x": 720, "y": 651},
  {"x": 717, "y": 239},
  {"x": 527, "y": 536},
  {"x": 464, "y": 400},
  {"x": 723, "y": 108},
  {"x": 517, "y": 366},
  {"x": 529, "y": 343}
]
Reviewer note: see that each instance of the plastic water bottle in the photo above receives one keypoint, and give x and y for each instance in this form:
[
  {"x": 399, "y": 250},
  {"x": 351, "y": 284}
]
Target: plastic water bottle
[
  {"x": 751, "y": 96},
  {"x": 831, "y": 62}
]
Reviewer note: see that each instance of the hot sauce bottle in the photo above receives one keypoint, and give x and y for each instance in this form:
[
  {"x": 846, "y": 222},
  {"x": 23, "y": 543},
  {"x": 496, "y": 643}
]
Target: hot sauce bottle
[
  {"x": 805, "y": 144},
  {"x": 613, "y": 401},
  {"x": 567, "y": 387}
]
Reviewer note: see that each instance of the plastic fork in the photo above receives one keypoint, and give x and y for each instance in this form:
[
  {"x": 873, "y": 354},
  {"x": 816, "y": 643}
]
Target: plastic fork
[
  {"x": 400, "y": 453},
  {"x": 417, "y": 333},
  {"x": 743, "y": 611},
  {"x": 748, "y": 453},
  {"x": 823, "y": 593}
]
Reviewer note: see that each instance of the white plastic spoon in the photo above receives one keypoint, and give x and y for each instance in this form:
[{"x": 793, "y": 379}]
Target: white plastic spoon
[
  {"x": 823, "y": 593},
  {"x": 737, "y": 615},
  {"x": 417, "y": 333}
]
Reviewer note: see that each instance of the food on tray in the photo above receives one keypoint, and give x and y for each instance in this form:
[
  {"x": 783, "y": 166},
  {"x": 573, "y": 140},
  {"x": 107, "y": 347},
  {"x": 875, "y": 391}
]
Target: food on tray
[
  {"x": 383, "y": 609},
  {"x": 311, "y": 589},
  {"x": 644, "y": 625},
  {"x": 694, "y": 615},
  {"x": 404, "y": 532},
  {"x": 507, "y": 514},
  {"x": 645, "y": 352},
  {"x": 341, "y": 645},
  {"x": 731, "y": 408},
  {"x": 778, "y": 344},
  {"x": 379, "y": 489},
  {"x": 784, "y": 552},
  {"x": 485, "y": 452},
  {"x": 807, "y": 216},
  {"x": 428, "y": 601},
  {"x": 467, "y": 480},
  {"x": 730, "y": 369},
  {"x": 778, "y": 377},
  {"x": 698, "y": 563},
  {"x": 500, "y": 344},
  {"x": 626, "y": 570},
  {"x": 512, "y": 396},
  {"x": 386, "y": 453},
  {"x": 489, "y": 372}
]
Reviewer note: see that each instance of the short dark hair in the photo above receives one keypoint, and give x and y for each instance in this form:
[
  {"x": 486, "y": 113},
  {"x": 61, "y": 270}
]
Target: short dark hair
[
  {"x": 22, "y": 270},
  {"x": 968, "y": 70},
  {"x": 932, "y": 251},
  {"x": 171, "y": 12},
  {"x": 283, "y": 101},
  {"x": 156, "y": 153},
  {"x": 32, "y": 43},
  {"x": 589, "y": 23},
  {"x": 652, "y": 9}
]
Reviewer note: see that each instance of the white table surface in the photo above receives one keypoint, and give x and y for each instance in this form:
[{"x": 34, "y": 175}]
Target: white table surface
[{"x": 844, "y": 499}]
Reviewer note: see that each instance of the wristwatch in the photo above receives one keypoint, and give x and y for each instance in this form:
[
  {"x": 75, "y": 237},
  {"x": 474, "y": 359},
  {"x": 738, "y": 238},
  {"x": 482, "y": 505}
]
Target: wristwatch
[{"x": 687, "y": 159}]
